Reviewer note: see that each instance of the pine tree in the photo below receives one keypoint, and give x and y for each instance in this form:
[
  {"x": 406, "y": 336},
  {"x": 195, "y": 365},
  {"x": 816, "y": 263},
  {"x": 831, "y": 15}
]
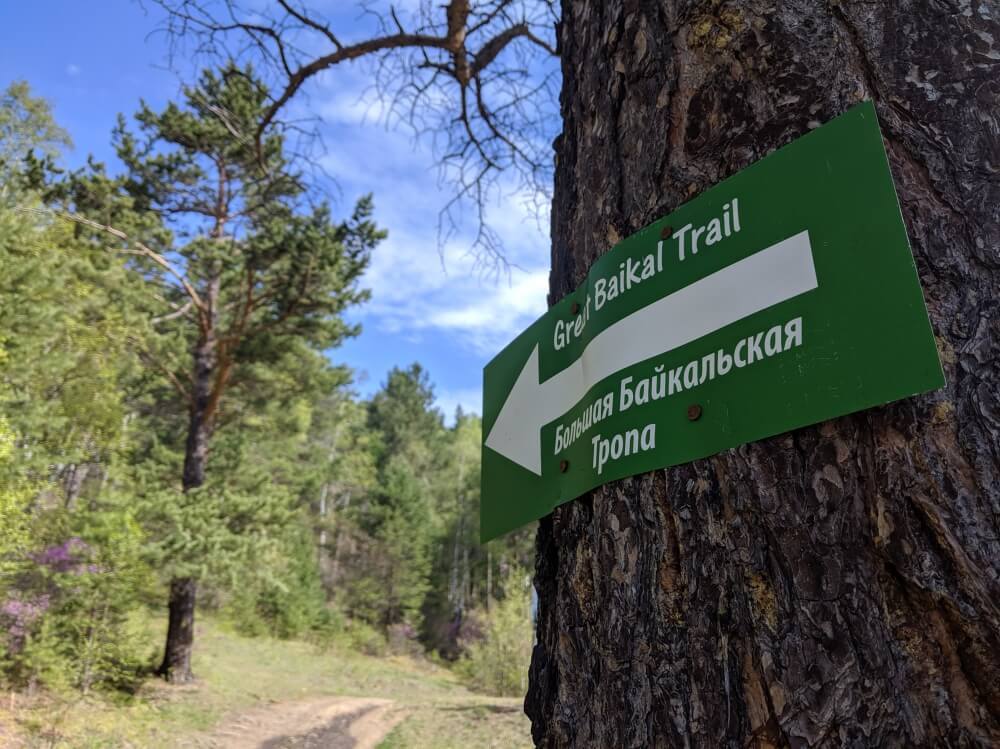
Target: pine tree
[
  {"x": 397, "y": 519},
  {"x": 248, "y": 277}
]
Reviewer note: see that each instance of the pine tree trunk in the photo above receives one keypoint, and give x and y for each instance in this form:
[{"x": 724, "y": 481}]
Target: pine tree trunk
[
  {"x": 837, "y": 585},
  {"x": 176, "y": 665}
]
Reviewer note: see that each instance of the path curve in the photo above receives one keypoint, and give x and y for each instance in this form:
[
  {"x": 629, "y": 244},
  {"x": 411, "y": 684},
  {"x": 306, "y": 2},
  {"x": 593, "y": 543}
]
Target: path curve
[{"x": 327, "y": 723}]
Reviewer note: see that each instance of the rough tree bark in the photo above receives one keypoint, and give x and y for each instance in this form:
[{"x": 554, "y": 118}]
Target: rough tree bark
[
  {"x": 176, "y": 664},
  {"x": 837, "y": 585}
]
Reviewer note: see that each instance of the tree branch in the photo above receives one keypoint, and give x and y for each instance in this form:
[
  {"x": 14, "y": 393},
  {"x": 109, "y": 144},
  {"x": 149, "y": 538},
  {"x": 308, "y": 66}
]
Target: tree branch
[
  {"x": 140, "y": 249},
  {"x": 305, "y": 20},
  {"x": 179, "y": 312},
  {"x": 424, "y": 65},
  {"x": 150, "y": 360},
  {"x": 353, "y": 52}
]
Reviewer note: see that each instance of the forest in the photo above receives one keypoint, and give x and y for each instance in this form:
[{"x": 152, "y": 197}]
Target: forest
[
  {"x": 191, "y": 306},
  {"x": 215, "y": 531}
]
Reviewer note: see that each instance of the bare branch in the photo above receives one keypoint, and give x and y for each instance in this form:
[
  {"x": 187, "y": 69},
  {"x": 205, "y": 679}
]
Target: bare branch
[
  {"x": 302, "y": 18},
  {"x": 353, "y": 52},
  {"x": 489, "y": 51},
  {"x": 179, "y": 312},
  {"x": 151, "y": 361},
  {"x": 474, "y": 77},
  {"x": 140, "y": 248}
]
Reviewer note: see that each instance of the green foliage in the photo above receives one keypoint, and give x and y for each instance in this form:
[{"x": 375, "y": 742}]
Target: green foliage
[
  {"x": 15, "y": 495},
  {"x": 216, "y": 530},
  {"x": 30, "y": 140},
  {"x": 403, "y": 416},
  {"x": 323, "y": 516},
  {"x": 290, "y": 601},
  {"x": 69, "y": 552},
  {"x": 284, "y": 272},
  {"x": 391, "y": 531},
  {"x": 366, "y": 639},
  {"x": 67, "y": 612},
  {"x": 498, "y": 662},
  {"x": 65, "y": 335},
  {"x": 403, "y": 527}
]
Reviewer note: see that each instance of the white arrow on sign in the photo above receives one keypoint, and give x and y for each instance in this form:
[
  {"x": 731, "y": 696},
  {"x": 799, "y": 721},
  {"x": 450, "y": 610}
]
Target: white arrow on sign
[{"x": 780, "y": 272}]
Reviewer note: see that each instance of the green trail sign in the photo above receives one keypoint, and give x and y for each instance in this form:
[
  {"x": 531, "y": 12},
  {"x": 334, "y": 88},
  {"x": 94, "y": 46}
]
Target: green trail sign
[{"x": 782, "y": 297}]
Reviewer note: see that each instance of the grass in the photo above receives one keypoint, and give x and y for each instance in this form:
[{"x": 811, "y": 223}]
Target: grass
[
  {"x": 493, "y": 724},
  {"x": 236, "y": 673}
]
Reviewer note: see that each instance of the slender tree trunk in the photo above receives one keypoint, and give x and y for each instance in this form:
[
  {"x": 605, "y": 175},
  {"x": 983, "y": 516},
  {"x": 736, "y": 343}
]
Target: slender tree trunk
[
  {"x": 454, "y": 596},
  {"x": 837, "y": 585},
  {"x": 338, "y": 540},
  {"x": 467, "y": 595},
  {"x": 322, "y": 555},
  {"x": 73, "y": 483},
  {"x": 176, "y": 665},
  {"x": 322, "y": 517}
]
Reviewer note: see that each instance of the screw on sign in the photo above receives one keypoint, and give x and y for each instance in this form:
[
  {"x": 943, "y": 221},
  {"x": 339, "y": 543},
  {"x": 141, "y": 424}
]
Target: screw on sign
[{"x": 784, "y": 296}]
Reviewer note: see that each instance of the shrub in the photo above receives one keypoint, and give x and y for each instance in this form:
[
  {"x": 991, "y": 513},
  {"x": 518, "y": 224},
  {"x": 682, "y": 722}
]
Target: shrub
[
  {"x": 402, "y": 640},
  {"x": 65, "y": 619},
  {"x": 498, "y": 663},
  {"x": 285, "y": 599},
  {"x": 367, "y": 639}
]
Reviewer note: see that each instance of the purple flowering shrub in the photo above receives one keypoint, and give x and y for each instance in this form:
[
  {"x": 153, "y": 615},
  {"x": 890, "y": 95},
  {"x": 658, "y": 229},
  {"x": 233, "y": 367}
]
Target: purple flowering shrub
[
  {"x": 69, "y": 595},
  {"x": 38, "y": 588},
  {"x": 70, "y": 557},
  {"x": 18, "y": 616},
  {"x": 63, "y": 616}
]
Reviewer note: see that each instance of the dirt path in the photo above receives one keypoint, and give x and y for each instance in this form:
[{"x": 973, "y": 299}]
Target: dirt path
[{"x": 322, "y": 723}]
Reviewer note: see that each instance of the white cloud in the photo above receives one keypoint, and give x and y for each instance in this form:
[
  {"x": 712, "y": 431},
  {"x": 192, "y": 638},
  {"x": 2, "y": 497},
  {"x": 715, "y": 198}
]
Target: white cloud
[
  {"x": 352, "y": 107},
  {"x": 487, "y": 321},
  {"x": 73, "y": 70},
  {"x": 470, "y": 399},
  {"x": 421, "y": 288},
  {"x": 417, "y": 290}
]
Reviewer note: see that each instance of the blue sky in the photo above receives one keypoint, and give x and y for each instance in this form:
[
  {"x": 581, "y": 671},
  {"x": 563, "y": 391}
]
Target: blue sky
[{"x": 429, "y": 303}]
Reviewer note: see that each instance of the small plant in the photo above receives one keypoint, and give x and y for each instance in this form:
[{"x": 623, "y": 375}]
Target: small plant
[{"x": 498, "y": 662}]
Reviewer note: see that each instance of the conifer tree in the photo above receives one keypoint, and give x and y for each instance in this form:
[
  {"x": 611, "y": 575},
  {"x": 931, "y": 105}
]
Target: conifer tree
[{"x": 250, "y": 276}]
